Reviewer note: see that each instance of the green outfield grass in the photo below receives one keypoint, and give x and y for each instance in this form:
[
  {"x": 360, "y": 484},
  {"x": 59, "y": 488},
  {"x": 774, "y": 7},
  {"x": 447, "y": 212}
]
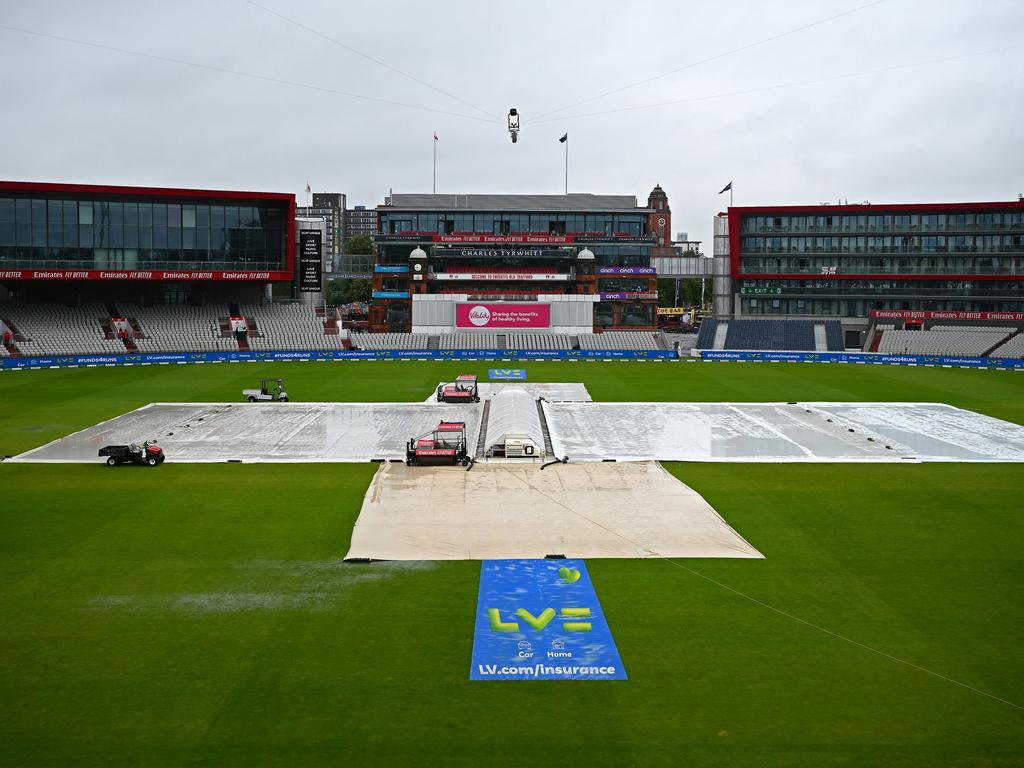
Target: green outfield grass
[{"x": 201, "y": 614}]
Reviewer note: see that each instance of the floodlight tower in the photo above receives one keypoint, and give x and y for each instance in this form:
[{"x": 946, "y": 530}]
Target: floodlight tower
[{"x": 513, "y": 124}]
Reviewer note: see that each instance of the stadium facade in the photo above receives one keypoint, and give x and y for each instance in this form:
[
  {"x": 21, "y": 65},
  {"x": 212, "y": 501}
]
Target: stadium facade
[
  {"x": 531, "y": 263},
  {"x": 863, "y": 262},
  {"x": 73, "y": 242}
]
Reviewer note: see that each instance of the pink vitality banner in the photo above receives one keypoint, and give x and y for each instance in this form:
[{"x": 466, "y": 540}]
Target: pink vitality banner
[{"x": 502, "y": 315}]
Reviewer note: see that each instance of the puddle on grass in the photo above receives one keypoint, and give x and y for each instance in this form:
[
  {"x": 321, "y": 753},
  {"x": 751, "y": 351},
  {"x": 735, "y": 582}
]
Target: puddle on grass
[{"x": 315, "y": 586}]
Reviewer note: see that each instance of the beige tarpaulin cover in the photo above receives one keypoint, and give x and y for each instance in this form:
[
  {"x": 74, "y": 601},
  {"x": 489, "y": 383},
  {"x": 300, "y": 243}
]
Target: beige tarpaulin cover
[{"x": 510, "y": 510}]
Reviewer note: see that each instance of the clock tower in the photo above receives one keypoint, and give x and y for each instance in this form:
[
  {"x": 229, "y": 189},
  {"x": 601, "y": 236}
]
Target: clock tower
[{"x": 659, "y": 221}]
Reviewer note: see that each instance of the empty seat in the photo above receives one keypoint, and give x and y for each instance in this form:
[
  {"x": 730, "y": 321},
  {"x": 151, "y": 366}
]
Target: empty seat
[
  {"x": 623, "y": 340},
  {"x": 955, "y": 341},
  {"x": 1013, "y": 348},
  {"x": 782, "y": 335}
]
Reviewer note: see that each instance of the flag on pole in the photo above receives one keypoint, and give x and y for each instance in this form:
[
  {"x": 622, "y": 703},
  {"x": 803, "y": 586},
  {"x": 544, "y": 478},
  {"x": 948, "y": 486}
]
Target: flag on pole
[
  {"x": 726, "y": 188},
  {"x": 435, "y": 135},
  {"x": 564, "y": 139},
  {"x": 308, "y": 188}
]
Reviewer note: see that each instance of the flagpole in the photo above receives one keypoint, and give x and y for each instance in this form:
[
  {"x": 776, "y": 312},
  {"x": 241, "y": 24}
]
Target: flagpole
[
  {"x": 435, "y": 162},
  {"x": 567, "y": 166}
]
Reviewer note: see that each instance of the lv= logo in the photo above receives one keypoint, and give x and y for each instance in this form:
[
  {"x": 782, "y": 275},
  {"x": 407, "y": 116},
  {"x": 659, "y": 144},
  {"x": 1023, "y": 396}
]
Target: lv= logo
[{"x": 570, "y": 619}]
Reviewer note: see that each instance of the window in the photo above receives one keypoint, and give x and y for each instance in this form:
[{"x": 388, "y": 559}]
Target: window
[
  {"x": 70, "y": 225},
  {"x": 637, "y": 314},
  {"x": 961, "y": 221},
  {"x": 23, "y": 221},
  {"x": 39, "y": 223},
  {"x": 907, "y": 244},
  {"x": 624, "y": 285},
  {"x": 179, "y": 295},
  {"x": 6, "y": 222}
]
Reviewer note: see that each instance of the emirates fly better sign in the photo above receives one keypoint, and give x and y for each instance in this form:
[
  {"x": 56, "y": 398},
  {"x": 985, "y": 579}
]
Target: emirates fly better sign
[{"x": 502, "y": 315}]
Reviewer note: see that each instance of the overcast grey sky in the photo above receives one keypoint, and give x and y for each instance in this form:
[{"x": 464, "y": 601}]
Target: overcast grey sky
[{"x": 901, "y": 101}]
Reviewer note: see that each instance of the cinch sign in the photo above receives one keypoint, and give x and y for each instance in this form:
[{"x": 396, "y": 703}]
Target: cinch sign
[{"x": 502, "y": 315}]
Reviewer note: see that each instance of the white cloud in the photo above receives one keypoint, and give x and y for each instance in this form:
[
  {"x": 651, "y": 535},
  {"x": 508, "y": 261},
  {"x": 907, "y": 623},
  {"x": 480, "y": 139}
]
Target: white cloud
[{"x": 946, "y": 131}]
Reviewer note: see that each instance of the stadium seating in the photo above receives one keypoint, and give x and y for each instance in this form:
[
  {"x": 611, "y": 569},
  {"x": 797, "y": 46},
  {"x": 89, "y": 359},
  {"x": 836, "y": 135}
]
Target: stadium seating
[
  {"x": 482, "y": 340},
  {"x": 788, "y": 335},
  {"x": 289, "y": 326},
  {"x": 834, "y": 336},
  {"x": 622, "y": 340},
  {"x": 706, "y": 335},
  {"x": 54, "y": 329},
  {"x": 1014, "y": 347},
  {"x": 943, "y": 340},
  {"x": 781, "y": 335},
  {"x": 180, "y": 328},
  {"x": 538, "y": 341},
  {"x": 974, "y": 328},
  {"x": 389, "y": 340}
]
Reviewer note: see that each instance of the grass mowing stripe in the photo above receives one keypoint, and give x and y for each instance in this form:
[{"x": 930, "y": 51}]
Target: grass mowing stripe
[
  {"x": 838, "y": 636},
  {"x": 763, "y": 604},
  {"x": 197, "y": 614}
]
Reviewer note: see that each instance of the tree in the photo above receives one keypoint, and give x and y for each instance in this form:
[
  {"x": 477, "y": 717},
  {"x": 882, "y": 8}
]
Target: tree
[
  {"x": 345, "y": 291},
  {"x": 689, "y": 288},
  {"x": 360, "y": 245},
  {"x": 689, "y": 292}
]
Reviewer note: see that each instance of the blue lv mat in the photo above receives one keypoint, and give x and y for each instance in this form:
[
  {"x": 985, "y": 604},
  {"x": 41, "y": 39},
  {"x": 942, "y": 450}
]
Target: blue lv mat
[{"x": 540, "y": 620}]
